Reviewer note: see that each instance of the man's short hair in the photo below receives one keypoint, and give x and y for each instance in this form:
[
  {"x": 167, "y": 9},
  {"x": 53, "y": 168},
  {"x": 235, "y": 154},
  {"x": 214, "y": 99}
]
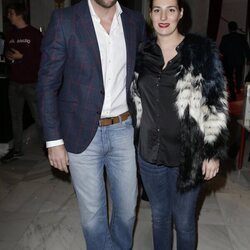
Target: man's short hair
[
  {"x": 232, "y": 26},
  {"x": 20, "y": 10}
]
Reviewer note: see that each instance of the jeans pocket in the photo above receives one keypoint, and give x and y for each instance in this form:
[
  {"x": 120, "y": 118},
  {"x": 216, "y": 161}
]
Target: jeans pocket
[{"x": 128, "y": 122}]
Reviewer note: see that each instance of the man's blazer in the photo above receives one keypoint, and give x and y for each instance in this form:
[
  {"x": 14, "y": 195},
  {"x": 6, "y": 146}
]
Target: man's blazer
[{"x": 70, "y": 86}]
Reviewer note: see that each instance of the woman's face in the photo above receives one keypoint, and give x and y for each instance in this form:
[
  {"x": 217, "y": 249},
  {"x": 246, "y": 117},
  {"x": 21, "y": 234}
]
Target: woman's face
[{"x": 165, "y": 16}]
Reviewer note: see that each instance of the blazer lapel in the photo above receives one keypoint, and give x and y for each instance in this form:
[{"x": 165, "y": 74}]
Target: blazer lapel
[
  {"x": 130, "y": 39},
  {"x": 86, "y": 33}
]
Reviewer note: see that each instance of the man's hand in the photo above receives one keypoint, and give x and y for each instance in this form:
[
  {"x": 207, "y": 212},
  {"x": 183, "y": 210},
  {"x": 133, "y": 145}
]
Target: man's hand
[
  {"x": 13, "y": 55},
  {"x": 210, "y": 168},
  {"x": 58, "y": 158}
]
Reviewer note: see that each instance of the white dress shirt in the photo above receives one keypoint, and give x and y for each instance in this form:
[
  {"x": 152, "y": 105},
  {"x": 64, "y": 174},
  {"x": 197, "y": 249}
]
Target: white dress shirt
[{"x": 113, "y": 55}]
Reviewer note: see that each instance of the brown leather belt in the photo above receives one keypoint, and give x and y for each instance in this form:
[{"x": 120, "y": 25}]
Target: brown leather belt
[{"x": 113, "y": 120}]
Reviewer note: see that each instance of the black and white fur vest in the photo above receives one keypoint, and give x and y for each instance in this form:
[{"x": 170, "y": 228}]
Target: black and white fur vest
[{"x": 202, "y": 108}]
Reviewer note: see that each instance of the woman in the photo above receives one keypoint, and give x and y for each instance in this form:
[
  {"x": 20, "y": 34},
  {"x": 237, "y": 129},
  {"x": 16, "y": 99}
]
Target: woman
[{"x": 183, "y": 125}]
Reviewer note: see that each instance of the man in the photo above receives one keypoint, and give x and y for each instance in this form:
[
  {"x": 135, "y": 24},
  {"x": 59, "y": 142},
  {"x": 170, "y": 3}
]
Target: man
[
  {"x": 234, "y": 49},
  {"x": 22, "y": 51},
  {"x": 87, "y": 66}
]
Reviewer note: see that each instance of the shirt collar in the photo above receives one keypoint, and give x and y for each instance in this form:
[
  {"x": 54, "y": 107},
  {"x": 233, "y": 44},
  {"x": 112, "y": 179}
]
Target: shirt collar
[{"x": 94, "y": 15}]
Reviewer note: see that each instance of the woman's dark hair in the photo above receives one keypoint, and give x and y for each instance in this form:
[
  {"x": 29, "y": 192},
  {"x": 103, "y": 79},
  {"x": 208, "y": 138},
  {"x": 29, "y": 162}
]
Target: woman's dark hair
[
  {"x": 179, "y": 3},
  {"x": 19, "y": 9}
]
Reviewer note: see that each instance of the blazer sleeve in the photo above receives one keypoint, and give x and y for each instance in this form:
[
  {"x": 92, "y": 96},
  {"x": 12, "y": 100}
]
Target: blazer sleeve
[
  {"x": 50, "y": 77},
  {"x": 216, "y": 107}
]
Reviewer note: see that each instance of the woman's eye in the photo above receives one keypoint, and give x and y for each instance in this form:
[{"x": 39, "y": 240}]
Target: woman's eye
[
  {"x": 156, "y": 10},
  {"x": 172, "y": 10}
]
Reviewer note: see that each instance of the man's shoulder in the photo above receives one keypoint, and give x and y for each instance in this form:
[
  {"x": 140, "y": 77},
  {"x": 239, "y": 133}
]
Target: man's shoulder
[
  {"x": 227, "y": 36},
  {"x": 242, "y": 36}
]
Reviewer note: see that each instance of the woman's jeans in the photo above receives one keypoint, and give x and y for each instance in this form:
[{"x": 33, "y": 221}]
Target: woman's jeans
[{"x": 169, "y": 206}]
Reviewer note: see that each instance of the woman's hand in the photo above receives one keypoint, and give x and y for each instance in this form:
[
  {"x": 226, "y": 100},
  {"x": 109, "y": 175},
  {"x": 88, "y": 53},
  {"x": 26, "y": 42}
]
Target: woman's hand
[{"x": 210, "y": 168}]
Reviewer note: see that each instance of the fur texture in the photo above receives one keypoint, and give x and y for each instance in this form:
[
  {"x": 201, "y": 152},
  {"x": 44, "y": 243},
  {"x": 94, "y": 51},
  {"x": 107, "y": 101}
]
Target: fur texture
[{"x": 201, "y": 105}]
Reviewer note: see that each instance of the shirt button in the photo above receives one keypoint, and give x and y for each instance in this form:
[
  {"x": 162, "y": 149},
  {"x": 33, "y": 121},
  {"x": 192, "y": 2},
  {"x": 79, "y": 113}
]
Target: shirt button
[{"x": 158, "y": 130}]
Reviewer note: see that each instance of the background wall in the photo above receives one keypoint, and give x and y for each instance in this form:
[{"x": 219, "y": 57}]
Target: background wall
[
  {"x": 233, "y": 10},
  {"x": 199, "y": 15},
  {"x": 40, "y": 12}
]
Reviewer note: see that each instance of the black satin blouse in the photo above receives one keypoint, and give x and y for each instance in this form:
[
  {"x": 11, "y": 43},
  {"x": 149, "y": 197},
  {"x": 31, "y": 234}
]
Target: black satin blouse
[{"x": 159, "y": 140}]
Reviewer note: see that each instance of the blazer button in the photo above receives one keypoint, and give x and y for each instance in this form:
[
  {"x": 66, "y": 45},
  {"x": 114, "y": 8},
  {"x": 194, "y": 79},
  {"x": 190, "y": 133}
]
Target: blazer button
[{"x": 102, "y": 92}]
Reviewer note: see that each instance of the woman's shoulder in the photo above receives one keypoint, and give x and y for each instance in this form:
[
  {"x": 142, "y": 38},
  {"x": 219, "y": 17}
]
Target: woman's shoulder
[
  {"x": 201, "y": 53},
  {"x": 198, "y": 49},
  {"x": 198, "y": 42}
]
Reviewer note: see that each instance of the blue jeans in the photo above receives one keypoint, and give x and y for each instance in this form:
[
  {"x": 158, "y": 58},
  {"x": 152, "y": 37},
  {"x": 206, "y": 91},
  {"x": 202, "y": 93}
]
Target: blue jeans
[
  {"x": 169, "y": 206},
  {"x": 113, "y": 147}
]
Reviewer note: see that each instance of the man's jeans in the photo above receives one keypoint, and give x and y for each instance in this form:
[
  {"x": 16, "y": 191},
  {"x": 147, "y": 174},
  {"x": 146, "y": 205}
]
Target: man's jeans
[
  {"x": 113, "y": 148},
  {"x": 18, "y": 93},
  {"x": 169, "y": 206}
]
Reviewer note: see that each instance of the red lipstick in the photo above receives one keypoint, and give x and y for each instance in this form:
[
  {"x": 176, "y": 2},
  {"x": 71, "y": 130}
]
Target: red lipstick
[{"x": 163, "y": 25}]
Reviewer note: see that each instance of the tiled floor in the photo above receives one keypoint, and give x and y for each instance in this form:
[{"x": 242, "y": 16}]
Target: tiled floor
[{"x": 38, "y": 208}]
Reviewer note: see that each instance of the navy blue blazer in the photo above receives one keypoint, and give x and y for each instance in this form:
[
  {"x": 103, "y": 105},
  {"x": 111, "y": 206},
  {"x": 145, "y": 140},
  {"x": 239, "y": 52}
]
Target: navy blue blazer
[{"x": 70, "y": 86}]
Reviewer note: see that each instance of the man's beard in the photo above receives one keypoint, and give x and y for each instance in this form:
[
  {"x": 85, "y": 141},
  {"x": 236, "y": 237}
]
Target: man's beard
[{"x": 106, "y": 4}]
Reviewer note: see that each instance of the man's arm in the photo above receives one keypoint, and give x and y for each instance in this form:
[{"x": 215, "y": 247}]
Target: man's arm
[
  {"x": 49, "y": 82},
  {"x": 50, "y": 78}
]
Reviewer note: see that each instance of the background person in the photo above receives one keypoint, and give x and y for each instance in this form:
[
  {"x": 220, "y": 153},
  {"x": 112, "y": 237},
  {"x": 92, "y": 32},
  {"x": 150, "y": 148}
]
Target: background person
[
  {"x": 22, "y": 52},
  {"x": 234, "y": 49}
]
